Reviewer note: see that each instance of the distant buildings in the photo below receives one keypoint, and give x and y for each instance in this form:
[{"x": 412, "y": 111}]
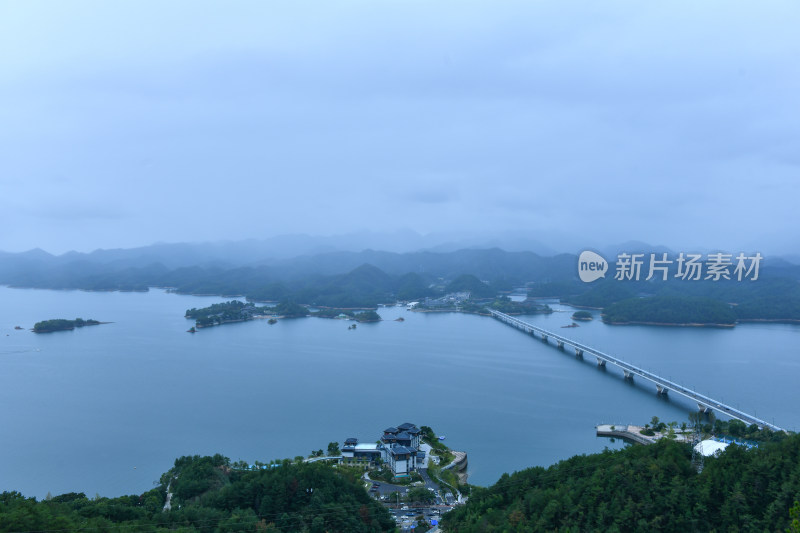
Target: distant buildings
[
  {"x": 449, "y": 300},
  {"x": 398, "y": 448}
]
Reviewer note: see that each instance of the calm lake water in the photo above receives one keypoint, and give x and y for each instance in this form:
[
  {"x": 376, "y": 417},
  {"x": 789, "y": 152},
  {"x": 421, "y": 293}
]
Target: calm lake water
[{"x": 107, "y": 409}]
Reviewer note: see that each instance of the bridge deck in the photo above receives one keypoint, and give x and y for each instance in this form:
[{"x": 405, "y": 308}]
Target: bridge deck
[{"x": 665, "y": 384}]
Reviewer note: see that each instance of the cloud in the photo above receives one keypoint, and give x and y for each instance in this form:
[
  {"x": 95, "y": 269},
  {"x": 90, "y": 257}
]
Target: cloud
[{"x": 614, "y": 121}]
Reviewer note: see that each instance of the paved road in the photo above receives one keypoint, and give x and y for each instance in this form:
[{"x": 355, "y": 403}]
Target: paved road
[{"x": 429, "y": 483}]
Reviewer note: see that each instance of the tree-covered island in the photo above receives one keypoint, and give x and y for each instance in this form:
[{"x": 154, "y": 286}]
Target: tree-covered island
[
  {"x": 582, "y": 315},
  {"x": 62, "y": 324},
  {"x": 223, "y": 313},
  {"x": 367, "y": 316},
  {"x": 237, "y": 311}
]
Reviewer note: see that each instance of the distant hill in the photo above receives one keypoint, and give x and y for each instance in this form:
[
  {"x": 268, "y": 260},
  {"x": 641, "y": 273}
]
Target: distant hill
[
  {"x": 206, "y": 272},
  {"x": 366, "y": 278},
  {"x": 471, "y": 284}
]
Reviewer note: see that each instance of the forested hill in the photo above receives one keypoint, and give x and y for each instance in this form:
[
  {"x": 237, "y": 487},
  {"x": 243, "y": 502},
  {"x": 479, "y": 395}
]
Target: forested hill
[
  {"x": 643, "y": 488},
  {"x": 364, "y": 279},
  {"x": 208, "y": 495},
  {"x": 341, "y": 279},
  {"x": 35, "y": 267}
]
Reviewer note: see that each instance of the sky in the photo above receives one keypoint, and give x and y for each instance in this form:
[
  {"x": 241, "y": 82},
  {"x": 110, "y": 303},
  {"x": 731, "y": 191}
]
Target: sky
[{"x": 131, "y": 122}]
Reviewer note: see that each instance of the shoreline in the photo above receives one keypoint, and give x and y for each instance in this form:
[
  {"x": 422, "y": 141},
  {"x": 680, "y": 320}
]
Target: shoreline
[
  {"x": 671, "y": 324},
  {"x": 771, "y": 320},
  {"x": 631, "y": 433}
]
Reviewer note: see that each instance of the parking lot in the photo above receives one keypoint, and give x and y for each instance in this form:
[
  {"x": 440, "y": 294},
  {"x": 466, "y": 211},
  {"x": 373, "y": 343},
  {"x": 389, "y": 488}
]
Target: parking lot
[{"x": 407, "y": 519}]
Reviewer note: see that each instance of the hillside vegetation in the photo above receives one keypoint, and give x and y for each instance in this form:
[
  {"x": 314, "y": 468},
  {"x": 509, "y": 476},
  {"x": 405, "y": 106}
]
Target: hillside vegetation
[
  {"x": 643, "y": 488},
  {"x": 670, "y": 310},
  {"x": 211, "y": 496}
]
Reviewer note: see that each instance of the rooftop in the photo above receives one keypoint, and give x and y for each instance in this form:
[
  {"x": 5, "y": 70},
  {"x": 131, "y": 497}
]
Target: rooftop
[
  {"x": 710, "y": 447},
  {"x": 398, "y": 450}
]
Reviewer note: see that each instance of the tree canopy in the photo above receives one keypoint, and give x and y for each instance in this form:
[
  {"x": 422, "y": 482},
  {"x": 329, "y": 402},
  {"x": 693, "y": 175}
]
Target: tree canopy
[
  {"x": 647, "y": 488},
  {"x": 211, "y": 495}
]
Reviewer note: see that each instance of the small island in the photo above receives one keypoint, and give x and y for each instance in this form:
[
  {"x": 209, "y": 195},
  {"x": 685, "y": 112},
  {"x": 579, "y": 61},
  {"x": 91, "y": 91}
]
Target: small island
[
  {"x": 62, "y": 324},
  {"x": 581, "y": 315},
  {"x": 367, "y": 316}
]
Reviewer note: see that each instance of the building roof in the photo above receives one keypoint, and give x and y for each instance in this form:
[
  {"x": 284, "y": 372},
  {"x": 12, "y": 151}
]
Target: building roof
[
  {"x": 391, "y": 430},
  {"x": 398, "y": 450},
  {"x": 367, "y": 447},
  {"x": 351, "y": 440},
  {"x": 403, "y": 436},
  {"x": 710, "y": 447},
  {"x": 406, "y": 426},
  {"x": 413, "y": 431}
]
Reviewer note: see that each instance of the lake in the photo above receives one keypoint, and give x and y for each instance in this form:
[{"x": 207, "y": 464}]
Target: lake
[{"x": 106, "y": 409}]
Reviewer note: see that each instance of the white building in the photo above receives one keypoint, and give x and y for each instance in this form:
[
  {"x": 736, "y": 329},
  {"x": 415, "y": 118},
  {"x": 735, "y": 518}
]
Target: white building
[
  {"x": 707, "y": 448},
  {"x": 369, "y": 451}
]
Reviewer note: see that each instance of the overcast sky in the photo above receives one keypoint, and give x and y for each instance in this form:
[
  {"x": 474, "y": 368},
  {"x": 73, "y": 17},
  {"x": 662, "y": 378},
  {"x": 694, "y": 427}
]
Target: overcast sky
[{"x": 126, "y": 123}]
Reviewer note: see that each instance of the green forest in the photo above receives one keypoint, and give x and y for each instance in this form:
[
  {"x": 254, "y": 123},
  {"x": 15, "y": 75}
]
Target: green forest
[
  {"x": 62, "y": 324},
  {"x": 643, "y": 488},
  {"x": 367, "y": 316},
  {"x": 683, "y": 302},
  {"x": 670, "y": 310},
  {"x": 237, "y": 311},
  {"x": 659, "y": 487},
  {"x": 210, "y": 495},
  {"x": 504, "y": 304},
  {"x": 232, "y": 311}
]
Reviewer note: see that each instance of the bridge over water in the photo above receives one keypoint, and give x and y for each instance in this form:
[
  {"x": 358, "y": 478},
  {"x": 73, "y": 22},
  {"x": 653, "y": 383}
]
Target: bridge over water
[{"x": 663, "y": 386}]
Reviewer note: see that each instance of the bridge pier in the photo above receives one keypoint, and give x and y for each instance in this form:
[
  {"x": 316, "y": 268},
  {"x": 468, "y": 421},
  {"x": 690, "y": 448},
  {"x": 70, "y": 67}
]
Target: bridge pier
[
  {"x": 703, "y": 408},
  {"x": 578, "y": 353},
  {"x": 601, "y": 362},
  {"x": 662, "y": 390},
  {"x": 560, "y": 345},
  {"x": 628, "y": 375},
  {"x": 544, "y": 338}
]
